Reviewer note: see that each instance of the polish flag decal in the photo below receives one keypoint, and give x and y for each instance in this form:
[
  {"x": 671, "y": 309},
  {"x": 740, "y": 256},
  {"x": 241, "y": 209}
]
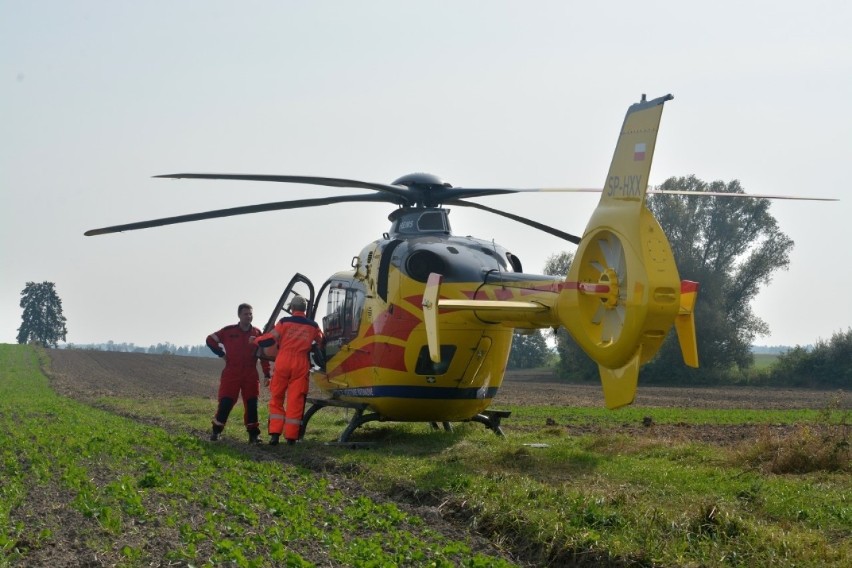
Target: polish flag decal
[{"x": 639, "y": 152}]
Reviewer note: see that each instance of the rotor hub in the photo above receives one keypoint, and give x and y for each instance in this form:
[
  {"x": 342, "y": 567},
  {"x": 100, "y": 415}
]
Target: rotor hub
[
  {"x": 422, "y": 180},
  {"x": 609, "y": 280},
  {"x": 606, "y": 288}
]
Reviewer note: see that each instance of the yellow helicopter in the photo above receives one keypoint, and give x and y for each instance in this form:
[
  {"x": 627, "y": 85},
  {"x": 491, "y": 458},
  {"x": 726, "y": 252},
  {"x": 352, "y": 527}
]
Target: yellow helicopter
[{"x": 420, "y": 328}]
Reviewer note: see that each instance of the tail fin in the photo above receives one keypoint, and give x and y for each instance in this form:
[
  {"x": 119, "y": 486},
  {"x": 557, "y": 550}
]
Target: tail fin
[
  {"x": 622, "y": 293},
  {"x": 685, "y": 323}
]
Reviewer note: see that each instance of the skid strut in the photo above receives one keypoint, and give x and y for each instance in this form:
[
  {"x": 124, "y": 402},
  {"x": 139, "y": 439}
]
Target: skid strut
[
  {"x": 357, "y": 420},
  {"x": 489, "y": 418}
]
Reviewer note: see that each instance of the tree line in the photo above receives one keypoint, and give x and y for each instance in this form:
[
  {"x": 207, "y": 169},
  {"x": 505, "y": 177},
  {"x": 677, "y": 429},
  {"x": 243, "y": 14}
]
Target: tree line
[{"x": 158, "y": 349}]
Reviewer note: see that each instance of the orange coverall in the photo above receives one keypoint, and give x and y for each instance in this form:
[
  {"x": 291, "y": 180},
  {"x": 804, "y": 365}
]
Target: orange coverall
[{"x": 294, "y": 336}]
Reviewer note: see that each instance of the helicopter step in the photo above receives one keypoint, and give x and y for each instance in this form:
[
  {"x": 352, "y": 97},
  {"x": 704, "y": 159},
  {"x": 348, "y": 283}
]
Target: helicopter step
[{"x": 489, "y": 418}]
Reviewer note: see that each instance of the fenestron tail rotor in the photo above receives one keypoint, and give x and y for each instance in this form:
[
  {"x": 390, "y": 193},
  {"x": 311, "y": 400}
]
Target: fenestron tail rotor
[
  {"x": 623, "y": 282},
  {"x": 609, "y": 294}
]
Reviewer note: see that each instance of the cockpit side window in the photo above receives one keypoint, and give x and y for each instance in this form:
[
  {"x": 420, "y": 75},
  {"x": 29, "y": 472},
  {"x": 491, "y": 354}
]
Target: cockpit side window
[
  {"x": 354, "y": 307},
  {"x": 343, "y": 315},
  {"x": 332, "y": 322}
]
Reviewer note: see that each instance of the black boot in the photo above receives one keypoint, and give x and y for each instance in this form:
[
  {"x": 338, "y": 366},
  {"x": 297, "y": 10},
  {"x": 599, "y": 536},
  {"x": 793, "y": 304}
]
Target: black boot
[
  {"x": 273, "y": 439},
  {"x": 216, "y": 432},
  {"x": 254, "y": 436},
  {"x": 291, "y": 442}
]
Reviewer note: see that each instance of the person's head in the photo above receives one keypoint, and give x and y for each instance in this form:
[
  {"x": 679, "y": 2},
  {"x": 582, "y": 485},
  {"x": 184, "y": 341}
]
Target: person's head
[
  {"x": 244, "y": 311},
  {"x": 298, "y": 304}
]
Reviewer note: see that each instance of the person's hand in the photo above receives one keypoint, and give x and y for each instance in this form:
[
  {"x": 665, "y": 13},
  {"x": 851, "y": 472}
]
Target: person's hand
[{"x": 265, "y": 382}]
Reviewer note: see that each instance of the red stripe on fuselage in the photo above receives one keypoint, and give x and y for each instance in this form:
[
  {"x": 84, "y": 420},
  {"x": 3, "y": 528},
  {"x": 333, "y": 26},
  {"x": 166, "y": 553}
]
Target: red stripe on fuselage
[
  {"x": 381, "y": 355},
  {"x": 503, "y": 294},
  {"x": 554, "y": 287},
  {"x": 590, "y": 288},
  {"x": 394, "y": 322}
]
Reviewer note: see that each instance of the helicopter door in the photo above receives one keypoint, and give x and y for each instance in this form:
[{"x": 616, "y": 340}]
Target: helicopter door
[
  {"x": 343, "y": 314},
  {"x": 475, "y": 364},
  {"x": 299, "y": 285}
]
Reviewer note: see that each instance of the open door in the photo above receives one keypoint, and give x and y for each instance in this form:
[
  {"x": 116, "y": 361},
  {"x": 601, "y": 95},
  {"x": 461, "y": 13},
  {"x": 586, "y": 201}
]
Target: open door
[{"x": 300, "y": 285}]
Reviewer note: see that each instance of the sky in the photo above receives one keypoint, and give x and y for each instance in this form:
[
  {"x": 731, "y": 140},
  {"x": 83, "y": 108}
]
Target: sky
[{"x": 96, "y": 97}]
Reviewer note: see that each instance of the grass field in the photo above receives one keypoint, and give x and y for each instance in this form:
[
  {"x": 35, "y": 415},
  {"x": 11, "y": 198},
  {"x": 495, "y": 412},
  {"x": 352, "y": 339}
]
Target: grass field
[
  {"x": 132, "y": 482},
  {"x": 117, "y": 489},
  {"x": 764, "y": 360}
]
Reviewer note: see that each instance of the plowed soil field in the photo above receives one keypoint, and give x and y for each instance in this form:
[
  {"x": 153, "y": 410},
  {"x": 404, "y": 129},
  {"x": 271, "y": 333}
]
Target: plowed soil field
[
  {"x": 92, "y": 374},
  {"x": 88, "y": 375}
]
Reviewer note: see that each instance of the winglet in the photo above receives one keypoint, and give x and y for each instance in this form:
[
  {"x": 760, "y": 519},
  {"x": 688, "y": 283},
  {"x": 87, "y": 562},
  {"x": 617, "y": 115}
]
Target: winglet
[
  {"x": 619, "y": 385},
  {"x": 685, "y": 323},
  {"x": 430, "y": 316}
]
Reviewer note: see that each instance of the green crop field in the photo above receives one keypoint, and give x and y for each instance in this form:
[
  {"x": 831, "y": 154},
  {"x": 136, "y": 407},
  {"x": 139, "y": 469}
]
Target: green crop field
[
  {"x": 132, "y": 482},
  {"x": 116, "y": 486},
  {"x": 764, "y": 360}
]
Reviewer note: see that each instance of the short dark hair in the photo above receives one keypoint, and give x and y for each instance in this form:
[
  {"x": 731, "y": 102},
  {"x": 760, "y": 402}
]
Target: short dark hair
[{"x": 244, "y": 307}]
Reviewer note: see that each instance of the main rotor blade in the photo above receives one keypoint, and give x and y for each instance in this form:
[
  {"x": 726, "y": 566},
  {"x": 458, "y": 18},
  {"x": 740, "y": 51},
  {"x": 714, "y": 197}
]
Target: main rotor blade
[
  {"x": 465, "y": 192},
  {"x": 535, "y": 224},
  {"x": 311, "y": 180},
  {"x": 731, "y": 194},
  {"x": 651, "y": 191},
  {"x": 295, "y": 204},
  {"x": 478, "y": 192}
]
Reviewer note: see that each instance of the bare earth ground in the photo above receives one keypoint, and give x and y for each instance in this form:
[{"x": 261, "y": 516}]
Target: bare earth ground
[{"x": 89, "y": 375}]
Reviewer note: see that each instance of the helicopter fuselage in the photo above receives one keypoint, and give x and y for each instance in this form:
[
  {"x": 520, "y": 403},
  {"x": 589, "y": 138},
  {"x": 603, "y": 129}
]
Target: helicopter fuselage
[{"x": 376, "y": 345}]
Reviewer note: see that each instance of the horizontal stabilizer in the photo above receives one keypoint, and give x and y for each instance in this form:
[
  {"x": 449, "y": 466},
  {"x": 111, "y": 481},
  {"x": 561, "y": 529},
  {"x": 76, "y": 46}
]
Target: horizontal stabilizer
[{"x": 493, "y": 305}]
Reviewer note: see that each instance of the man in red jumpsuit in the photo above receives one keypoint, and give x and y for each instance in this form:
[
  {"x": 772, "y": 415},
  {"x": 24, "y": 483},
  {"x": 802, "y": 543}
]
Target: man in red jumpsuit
[
  {"x": 294, "y": 336},
  {"x": 235, "y": 343}
]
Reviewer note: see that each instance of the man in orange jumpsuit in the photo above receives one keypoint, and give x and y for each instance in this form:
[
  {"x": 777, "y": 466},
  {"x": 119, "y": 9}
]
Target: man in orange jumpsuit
[
  {"x": 294, "y": 337},
  {"x": 235, "y": 343}
]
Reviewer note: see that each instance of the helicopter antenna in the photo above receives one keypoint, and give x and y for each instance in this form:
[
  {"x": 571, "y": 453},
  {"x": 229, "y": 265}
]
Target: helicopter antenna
[{"x": 496, "y": 255}]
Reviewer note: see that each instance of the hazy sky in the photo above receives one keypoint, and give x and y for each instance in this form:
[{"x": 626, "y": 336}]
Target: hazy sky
[{"x": 98, "y": 96}]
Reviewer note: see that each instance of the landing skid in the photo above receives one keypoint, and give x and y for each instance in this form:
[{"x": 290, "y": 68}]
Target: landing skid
[{"x": 489, "y": 418}]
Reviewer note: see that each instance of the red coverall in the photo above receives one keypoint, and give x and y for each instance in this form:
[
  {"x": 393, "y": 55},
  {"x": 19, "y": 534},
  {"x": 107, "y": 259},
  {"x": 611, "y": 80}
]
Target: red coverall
[
  {"x": 294, "y": 336},
  {"x": 239, "y": 374}
]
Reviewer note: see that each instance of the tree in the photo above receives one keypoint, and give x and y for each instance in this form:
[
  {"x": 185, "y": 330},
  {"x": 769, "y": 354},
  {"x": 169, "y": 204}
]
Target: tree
[
  {"x": 827, "y": 364},
  {"x": 731, "y": 247},
  {"x": 42, "y": 319},
  {"x": 559, "y": 264},
  {"x": 573, "y": 362},
  {"x": 529, "y": 351}
]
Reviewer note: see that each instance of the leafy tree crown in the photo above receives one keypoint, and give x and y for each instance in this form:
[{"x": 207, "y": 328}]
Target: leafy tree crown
[{"x": 42, "y": 320}]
